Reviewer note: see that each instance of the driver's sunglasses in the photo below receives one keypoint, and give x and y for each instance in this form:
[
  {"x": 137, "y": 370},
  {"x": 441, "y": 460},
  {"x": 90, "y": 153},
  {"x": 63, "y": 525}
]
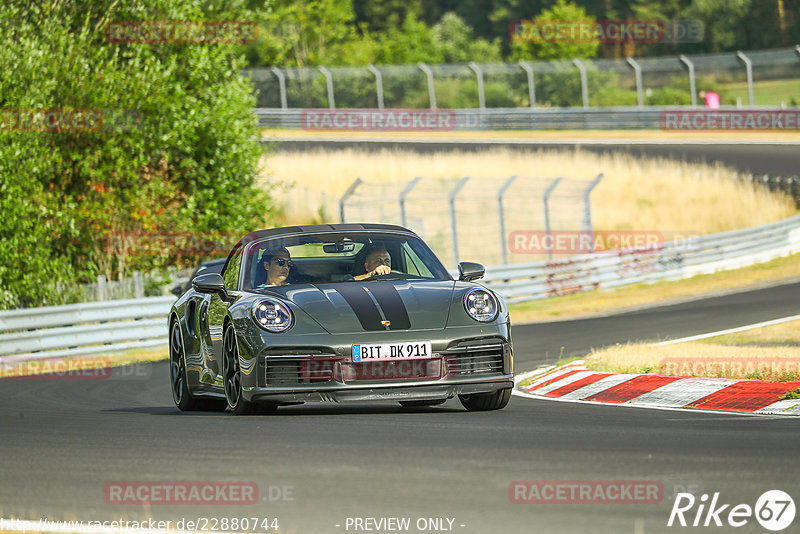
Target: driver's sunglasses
[{"x": 281, "y": 262}]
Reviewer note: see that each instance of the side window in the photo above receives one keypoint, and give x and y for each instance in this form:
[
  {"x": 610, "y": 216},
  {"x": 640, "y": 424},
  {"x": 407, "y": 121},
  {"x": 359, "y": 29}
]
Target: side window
[{"x": 231, "y": 272}]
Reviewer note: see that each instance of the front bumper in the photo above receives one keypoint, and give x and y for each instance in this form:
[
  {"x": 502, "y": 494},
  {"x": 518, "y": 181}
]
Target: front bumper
[
  {"x": 323, "y": 374},
  {"x": 379, "y": 392}
]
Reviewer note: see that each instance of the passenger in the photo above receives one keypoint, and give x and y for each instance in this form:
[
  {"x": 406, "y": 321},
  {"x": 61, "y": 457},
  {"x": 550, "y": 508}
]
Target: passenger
[
  {"x": 376, "y": 262},
  {"x": 277, "y": 263}
]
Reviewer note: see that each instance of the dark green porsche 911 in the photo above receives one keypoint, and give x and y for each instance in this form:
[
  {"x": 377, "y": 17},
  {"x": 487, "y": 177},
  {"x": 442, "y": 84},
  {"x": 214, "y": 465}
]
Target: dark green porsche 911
[{"x": 338, "y": 313}]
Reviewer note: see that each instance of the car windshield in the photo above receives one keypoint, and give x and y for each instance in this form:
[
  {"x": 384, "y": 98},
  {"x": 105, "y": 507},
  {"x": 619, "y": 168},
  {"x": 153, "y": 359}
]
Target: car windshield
[{"x": 339, "y": 257}]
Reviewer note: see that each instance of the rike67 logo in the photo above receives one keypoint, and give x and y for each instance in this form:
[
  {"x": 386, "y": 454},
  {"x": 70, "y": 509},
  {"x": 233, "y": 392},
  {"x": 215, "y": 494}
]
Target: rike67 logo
[{"x": 774, "y": 510}]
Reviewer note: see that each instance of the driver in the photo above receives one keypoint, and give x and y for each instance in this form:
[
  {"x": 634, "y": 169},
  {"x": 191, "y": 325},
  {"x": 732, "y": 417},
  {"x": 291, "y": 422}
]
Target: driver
[
  {"x": 376, "y": 262},
  {"x": 277, "y": 263}
]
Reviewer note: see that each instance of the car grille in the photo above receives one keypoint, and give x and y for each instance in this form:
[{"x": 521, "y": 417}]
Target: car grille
[
  {"x": 290, "y": 367},
  {"x": 478, "y": 357}
]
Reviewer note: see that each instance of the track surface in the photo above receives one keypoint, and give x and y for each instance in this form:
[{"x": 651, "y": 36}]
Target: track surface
[
  {"x": 779, "y": 159},
  {"x": 63, "y": 441}
]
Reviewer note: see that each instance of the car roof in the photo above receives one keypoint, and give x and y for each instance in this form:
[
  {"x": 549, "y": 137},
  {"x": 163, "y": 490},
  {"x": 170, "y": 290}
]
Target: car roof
[{"x": 319, "y": 228}]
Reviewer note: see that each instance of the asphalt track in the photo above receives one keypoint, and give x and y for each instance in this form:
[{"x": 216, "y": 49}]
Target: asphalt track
[
  {"x": 774, "y": 159},
  {"x": 62, "y": 441}
]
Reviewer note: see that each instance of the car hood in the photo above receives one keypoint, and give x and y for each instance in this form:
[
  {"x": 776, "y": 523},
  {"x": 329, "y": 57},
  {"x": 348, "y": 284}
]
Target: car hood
[{"x": 365, "y": 306}]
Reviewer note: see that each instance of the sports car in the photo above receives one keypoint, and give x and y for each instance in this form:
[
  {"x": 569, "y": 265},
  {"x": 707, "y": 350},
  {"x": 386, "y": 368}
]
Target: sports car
[{"x": 338, "y": 313}]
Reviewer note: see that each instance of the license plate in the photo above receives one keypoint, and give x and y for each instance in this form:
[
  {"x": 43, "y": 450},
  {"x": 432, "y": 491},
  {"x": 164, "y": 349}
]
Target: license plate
[{"x": 391, "y": 351}]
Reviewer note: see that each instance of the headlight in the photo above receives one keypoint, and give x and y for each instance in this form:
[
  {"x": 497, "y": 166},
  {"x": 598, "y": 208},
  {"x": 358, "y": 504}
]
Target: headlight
[
  {"x": 272, "y": 315},
  {"x": 480, "y": 305}
]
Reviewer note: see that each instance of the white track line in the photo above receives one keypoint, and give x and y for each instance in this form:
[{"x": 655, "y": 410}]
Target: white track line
[{"x": 731, "y": 330}]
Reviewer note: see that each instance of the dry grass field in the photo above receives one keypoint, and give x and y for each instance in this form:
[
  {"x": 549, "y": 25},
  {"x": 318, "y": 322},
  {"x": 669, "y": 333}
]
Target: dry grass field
[
  {"x": 768, "y": 353},
  {"x": 635, "y": 194}
]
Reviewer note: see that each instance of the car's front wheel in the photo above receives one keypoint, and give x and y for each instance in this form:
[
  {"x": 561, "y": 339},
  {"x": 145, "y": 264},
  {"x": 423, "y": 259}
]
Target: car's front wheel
[
  {"x": 232, "y": 378},
  {"x": 486, "y": 401},
  {"x": 181, "y": 393}
]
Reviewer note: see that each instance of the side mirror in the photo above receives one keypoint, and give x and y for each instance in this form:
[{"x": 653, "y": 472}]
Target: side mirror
[
  {"x": 468, "y": 271},
  {"x": 177, "y": 290},
  {"x": 210, "y": 283}
]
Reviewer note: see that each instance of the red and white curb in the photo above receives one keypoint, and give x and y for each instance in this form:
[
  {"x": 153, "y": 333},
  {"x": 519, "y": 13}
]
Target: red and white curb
[{"x": 574, "y": 382}]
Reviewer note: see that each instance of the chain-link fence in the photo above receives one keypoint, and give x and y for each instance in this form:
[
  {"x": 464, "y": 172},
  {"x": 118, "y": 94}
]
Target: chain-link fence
[
  {"x": 471, "y": 218},
  {"x": 742, "y": 78}
]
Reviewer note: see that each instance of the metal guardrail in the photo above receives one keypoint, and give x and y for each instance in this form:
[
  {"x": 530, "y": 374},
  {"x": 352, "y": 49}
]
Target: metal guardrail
[
  {"x": 615, "y": 118},
  {"x": 103, "y": 327},
  {"x": 669, "y": 261},
  {"x": 81, "y": 329}
]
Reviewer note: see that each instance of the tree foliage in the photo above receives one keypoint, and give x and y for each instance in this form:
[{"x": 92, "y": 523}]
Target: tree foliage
[{"x": 175, "y": 151}]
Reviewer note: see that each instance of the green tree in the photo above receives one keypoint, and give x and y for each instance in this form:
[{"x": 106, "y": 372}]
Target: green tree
[
  {"x": 175, "y": 151},
  {"x": 561, "y": 11}
]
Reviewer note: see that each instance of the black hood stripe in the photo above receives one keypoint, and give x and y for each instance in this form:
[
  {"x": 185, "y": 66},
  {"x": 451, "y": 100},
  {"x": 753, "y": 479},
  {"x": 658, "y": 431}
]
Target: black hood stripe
[
  {"x": 362, "y": 305},
  {"x": 392, "y": 305}
]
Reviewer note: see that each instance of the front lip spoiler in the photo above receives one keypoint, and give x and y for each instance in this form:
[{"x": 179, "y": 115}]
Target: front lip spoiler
[{"x": 394, "y": 391}]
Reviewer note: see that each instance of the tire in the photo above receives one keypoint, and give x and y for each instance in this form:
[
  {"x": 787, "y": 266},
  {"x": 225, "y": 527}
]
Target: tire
[
  {"x": 422, "y": 403},
  {"x": 181, "y": 394},
  {"x": 486, "y": 401},
  {"x": 232, "y": 378}
]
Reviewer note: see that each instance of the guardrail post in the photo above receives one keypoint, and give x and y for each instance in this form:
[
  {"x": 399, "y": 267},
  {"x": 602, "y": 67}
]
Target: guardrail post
[
  {"x": 461, "y": 183},
  {"x": 329, "y": 84},
  {"x": 547, "y": 229},
  {"x": 502, "y": 217},
  {"x": 378, "y": 83},
  {"x": 431, "y": 91},
  {"x": 692, "y": 87},
  {"x": 479, "y": 75},
  {"x": 586, "y": 223},
  {"x": 749, "y": 66},
  {"x": 102, "y": 288},
  {"x": 531, "y": 87},
  {"x": 637, "y": 72},
  {"x": 402, "y": 199},
  {"x": 584, "y": 82},
  {"x": 138, "y": 285},
  {"x": 347, "y": 194},
  {"x": 282, "y": 84}
]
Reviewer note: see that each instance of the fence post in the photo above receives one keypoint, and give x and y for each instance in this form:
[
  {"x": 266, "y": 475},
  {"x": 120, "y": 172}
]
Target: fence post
[
  {"x": 431, "y": 91},
  {"x": 329, "y": 84},
  {"x": 501, "y": 214},
  {"x": 402, "y": 199},
  {"x": 692, "y": 87},
  {"x": 637, "y": 72},
  {"x": 547, "y": 229},
  {"x": 343, "y": 200},
  {"x": 461, "y": 183},
  {"x": 586, "y": 223},
  {"x": 138, "y": 285},
  {"x": 378, "y": 83},
  {"x": 102, "y": 288},
  {"x": 282, "y": 84},
  {"x": 479, "y": 75},
  {"x": 584, "y": 82},
  {"x": 749, "y": 66},
  {"x": 531, "y": 87}
]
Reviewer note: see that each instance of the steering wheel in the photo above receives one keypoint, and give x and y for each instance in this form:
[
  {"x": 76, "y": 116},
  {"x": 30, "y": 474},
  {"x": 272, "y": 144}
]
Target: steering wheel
[{"x": 384, "y": 276}]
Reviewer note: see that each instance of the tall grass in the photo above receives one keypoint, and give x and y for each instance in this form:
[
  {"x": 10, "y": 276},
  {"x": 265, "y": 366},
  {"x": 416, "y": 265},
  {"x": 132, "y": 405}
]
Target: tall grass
[{"x": 636, "y": 193}]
